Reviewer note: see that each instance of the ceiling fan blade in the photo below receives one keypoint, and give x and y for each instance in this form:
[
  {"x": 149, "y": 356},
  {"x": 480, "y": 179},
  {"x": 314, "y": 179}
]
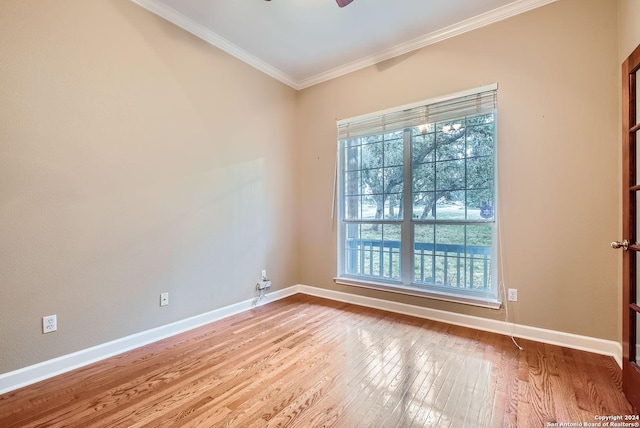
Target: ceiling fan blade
[{"x": 343, "y": 3}]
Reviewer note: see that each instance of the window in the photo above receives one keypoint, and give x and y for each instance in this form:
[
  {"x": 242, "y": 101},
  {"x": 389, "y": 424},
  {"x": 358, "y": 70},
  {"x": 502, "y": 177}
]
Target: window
[{"x": 417, "y": 198}]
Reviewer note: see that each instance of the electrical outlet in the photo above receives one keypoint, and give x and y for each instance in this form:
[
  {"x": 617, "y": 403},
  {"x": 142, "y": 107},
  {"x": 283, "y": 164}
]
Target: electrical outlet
[
  {"x": 164, "y": 299},
  {"x": 512, "y": 294},
  {"x": 49, "y": 324},
  {"x": 264, "y": 274}
]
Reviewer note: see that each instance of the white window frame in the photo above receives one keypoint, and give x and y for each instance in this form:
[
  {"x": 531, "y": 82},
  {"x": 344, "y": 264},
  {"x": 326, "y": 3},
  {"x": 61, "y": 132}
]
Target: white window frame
[{"x": 406, "y": 285}]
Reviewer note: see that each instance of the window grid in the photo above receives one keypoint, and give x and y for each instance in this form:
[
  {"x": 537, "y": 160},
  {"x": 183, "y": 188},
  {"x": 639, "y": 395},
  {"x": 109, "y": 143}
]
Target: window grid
[{"x": 465, "y": 265}]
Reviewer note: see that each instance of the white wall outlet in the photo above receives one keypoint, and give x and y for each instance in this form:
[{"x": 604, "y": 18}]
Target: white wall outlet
[
  {"x": 164, "y": 299},
  {"x": 49, "y": 324},
  {"x": 512, "y": 294},
  {"x": 264, "y": 274}
]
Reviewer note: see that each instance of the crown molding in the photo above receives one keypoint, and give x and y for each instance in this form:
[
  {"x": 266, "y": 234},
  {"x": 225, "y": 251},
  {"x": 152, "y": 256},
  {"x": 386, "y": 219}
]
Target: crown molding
[
  {"x": 488, "y": 18},
  {"x": 169, "y": 14},
  {"x": 461, "y": 27}
]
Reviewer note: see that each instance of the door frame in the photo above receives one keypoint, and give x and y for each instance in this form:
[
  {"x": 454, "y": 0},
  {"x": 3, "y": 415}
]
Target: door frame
[{"x": 630, "y": 190}]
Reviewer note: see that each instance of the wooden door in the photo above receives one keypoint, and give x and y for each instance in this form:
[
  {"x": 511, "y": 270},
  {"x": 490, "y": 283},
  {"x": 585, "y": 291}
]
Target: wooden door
[{"x": 631, "y": 228}]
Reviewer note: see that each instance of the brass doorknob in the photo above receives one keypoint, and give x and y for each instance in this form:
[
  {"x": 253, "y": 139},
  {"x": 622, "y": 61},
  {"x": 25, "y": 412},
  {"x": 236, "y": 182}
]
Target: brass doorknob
[{"x": 617, "y": 244}]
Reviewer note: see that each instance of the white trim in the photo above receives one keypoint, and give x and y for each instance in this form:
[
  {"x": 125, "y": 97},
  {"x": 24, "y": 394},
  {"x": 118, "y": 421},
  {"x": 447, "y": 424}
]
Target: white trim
[
  {"x": 568, "y": 340},
  {"x": 487, "y": 18},
  {"x": 169, "y": 14},
  {"x": 461, "y": 27},
  {"x": 50, "y": 368},
  {"x": 482, "y": 302}
]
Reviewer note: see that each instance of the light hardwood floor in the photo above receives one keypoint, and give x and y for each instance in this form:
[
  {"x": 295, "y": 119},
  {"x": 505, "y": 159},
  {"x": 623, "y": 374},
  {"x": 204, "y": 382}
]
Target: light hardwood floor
[{"x": 309, "y": 362}]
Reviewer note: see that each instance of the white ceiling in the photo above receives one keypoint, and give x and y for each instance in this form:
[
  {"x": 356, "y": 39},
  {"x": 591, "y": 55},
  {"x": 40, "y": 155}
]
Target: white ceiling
[{"x": 305, "y": 42}]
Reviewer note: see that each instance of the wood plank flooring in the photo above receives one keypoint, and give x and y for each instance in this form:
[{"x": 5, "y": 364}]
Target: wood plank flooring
[{"x": 309, "y": 362}]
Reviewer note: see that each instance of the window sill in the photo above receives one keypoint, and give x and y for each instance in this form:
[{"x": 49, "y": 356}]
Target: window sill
[{"x": 410, "y": 291}]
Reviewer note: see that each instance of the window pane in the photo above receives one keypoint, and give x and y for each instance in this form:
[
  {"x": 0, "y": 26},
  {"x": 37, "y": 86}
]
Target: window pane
[
  {"x": 423, "y": 148},
  {"x": 479, "y": 173},
  {"x": 451, "y": 206},
  {"x": 353, "y": 183},
  {"x": 353, "y": 207},
  {"x": 372, "y": 155},
  {"x": 637, "y": 278},
  {"x": 423, "y": 254},
  {"x": 393, "y": 188},
  {"x": 463, "y": 176},
  {"x": 453, "y": 256},
  {"x": 393, "y": 206},
  {"x": 353, "y": 186},
  {"x": 450, "y": 248},
  {"x": 439, "y": 255},
  {"x": 373, "y": 183},
  {"x": 637, "y": 79},
  {"x": 363, "y": 207},
  {"x": 478, "y": 250},
  {"x": 450, "y": 175},
  {"x": 480, "y": 204},
  {"x": 450, "y": 234},
  {"x": 450, "y": 141},
  {"x": 479, "y": 235},
  {"x": 637, "y": 171},
  {"x": 480, "y": 140},
  {"x": 393, "y": 152},
  {"x": 424, "y": 177},
  {"x": 373, "y": 250},
  {"x": 393, "y": 179},
  {"x": 424, "y": 205},
  {"x": 369, "y": 208},
  {"x": 373, "y": 178}
]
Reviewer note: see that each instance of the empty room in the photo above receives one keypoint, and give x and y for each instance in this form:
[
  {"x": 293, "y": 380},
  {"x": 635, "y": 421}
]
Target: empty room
[{"x": 319, "y": 213}]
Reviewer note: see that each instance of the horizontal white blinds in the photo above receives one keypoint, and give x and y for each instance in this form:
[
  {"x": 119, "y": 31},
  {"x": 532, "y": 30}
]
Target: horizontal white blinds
[{"x": 474, "y": 104}]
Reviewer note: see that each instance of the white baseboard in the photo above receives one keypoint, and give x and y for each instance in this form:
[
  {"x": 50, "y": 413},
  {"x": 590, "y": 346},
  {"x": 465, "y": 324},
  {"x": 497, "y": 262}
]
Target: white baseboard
[
  {"x": 65, "y": 363},
  {"x": 568, "y": 340},
  {"x": 28, "y": 375}
]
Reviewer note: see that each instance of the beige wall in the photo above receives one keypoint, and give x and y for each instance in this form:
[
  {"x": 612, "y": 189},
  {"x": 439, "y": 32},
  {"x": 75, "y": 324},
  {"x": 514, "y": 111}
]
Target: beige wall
[
  {"x": 557, "y": 74},
  {"x": 629, "y": 27},
  {"x": 134, "y": 159}
]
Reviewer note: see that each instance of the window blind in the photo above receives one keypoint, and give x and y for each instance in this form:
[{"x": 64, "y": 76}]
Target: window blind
[{"x": 481, "y": 102}]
